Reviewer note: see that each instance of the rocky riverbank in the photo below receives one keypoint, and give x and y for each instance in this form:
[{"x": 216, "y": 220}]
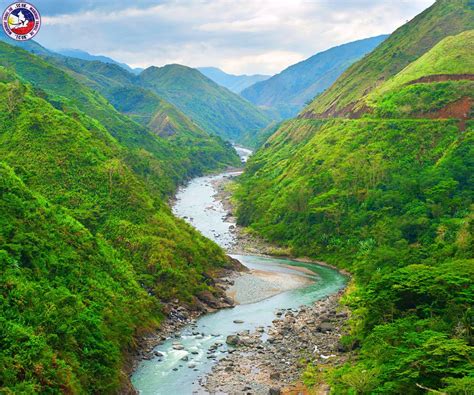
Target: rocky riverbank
[
  {"x": 245, "y": 242},
  {"x": 177, "y": 316},
  {"x": 270, "y": 360}
]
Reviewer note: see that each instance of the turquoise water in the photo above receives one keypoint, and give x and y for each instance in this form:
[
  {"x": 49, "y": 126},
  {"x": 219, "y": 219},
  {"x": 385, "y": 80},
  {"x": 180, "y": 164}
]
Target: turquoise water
[
  {"x": 158, "y": 377},
  {"x": 169, "y": 374}
]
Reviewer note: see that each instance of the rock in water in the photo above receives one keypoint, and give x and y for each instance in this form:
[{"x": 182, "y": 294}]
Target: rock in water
[{"x": 232, "y": 340}]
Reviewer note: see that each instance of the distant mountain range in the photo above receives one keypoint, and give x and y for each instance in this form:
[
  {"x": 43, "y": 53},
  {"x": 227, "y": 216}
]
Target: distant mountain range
[
  {"x": 166, "y": 99},
  {"x": 79, "y": 54},
  {"x": 288, "y": 92},
  {"x": 214, "y": 108},
  {"x": 235, "y": 83}
]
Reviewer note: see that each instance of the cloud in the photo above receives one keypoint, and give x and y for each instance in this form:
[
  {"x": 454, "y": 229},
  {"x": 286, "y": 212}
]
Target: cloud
[{"x": 239, "y": 36}]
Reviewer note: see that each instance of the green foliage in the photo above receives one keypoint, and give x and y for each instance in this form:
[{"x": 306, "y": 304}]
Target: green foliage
[
  {"x": 68, "y": 304},
  {"x": 405, "y": 45},
  {"x": 288, "y": 91},
  {"x": 421, "y": 99},
  {"x": 392, "y": 201},
  {"x": 88, "y": 247},
  {"x": 212, "y": 107}
]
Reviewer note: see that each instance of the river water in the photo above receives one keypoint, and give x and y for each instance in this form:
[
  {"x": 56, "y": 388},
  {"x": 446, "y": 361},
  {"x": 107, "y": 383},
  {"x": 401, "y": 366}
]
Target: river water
[{"x": 170, "y": 374}]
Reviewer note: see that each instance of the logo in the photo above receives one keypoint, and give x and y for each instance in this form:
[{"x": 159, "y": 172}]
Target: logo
[{"x": 21, "y": 21}]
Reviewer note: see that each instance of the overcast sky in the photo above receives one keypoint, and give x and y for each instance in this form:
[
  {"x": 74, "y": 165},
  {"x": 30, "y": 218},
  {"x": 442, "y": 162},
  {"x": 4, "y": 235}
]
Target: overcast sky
[{"x": 238, "y": 36}]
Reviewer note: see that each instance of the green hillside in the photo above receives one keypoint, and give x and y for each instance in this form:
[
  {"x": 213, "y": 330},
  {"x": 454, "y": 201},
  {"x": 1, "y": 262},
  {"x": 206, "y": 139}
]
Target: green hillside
[
  {"x": 386, "y": 200},
  {"x": 148, "y": 109},
  {"x": 148, "y": 153},
  {"x": 405, "y": 45},
  {"x": 69, "y": 304},
  {"x": 290, "y": 90},
  {"x": 440, "y": 78},
  {"x": 88, "y": 247},
  {"x": 212, "y": 107},
  {"x": 390, "y": 197}
]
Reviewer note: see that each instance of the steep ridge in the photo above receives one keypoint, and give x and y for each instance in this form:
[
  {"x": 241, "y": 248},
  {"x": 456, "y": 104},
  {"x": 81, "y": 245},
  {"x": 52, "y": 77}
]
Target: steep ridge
[
  {"x": 77, "y": 53},
  {"x": 235, "y": 83},
  {"x": 289, "y": 91},
  {"x": 88, "y": 248},
  {"x": 149, "y": 153},
  {"x": 212, "y": 107},
  {"x": 148, "y": 109},
  {"x": 431, "y": 86},
  {"x": 405, "y": 45},
  {"x": 389, "y": 196}
]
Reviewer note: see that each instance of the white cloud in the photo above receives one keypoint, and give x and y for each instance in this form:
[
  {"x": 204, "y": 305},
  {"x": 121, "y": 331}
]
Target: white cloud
[{"x": 240, "y": 36}]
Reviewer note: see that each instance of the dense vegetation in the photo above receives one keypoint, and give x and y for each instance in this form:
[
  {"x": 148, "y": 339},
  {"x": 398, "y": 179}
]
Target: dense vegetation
[
  {"x": 117, "y": 86},
  {"x": 289, "y": 91},
  {"x": 88, "y": 247},
  {"x": 405, "y": 45},
  {"x": 235, "y": 83},
  {"x": 212, "y": 107},
  {"x": 389, "y": 196}
]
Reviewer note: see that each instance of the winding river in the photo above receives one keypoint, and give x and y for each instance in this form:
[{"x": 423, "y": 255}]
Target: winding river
[{"x": 180, "y": 371}]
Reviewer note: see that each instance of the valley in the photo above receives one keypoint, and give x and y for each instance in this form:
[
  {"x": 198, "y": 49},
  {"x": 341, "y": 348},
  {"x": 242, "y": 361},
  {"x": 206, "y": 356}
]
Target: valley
[
  {"x": 181, "y": 361},
  {"x": 300, "y": 223}
]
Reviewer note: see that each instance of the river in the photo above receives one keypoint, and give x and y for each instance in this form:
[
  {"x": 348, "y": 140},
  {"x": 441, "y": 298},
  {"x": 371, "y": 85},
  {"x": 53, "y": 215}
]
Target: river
[{"x": 180, "y": 371}]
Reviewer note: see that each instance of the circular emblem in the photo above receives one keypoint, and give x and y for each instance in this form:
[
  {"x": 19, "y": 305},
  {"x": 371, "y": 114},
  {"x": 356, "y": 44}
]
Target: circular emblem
[{"x": 21, "y": 21}]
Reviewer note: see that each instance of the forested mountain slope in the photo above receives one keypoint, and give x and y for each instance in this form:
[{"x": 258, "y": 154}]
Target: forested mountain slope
[
  {"x": 70, "y": 93},
  {"x": 77, "y": 53},
  {"x": 148, "y": 109},
  {"x": 289, "y": 91},
  {"x": 88, "y": 246},
  {"x": 212, "y": 107},
  {"x": 390, "y": 197},
  {"x": 405, "y": 45}
]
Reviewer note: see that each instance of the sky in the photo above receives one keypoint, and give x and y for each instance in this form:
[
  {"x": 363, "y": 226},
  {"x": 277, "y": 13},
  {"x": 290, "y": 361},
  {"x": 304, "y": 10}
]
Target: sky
[{"x": 238, "y": 36}]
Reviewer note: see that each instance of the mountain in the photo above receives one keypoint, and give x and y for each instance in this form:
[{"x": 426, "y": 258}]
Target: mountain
[
  {"x": 89, "y": 248},
  {"x": 116, "y": 84},
  {"x": 28, "y": 45},
  {"x": 289, "y": 91},
  {"x": 235, "y": 83},
  {"x": 376, "y": 177},
  {"x": 79, "y": 54},
  {"x": 212, "y": 107},
  {"x": 409, "y": 42},
  {"x": 148, "y": 109}
]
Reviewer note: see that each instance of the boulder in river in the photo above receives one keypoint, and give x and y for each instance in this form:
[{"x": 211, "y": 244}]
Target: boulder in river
[
  {"x": 238, "y": 322},
  {"x": 232, "y": 340}
]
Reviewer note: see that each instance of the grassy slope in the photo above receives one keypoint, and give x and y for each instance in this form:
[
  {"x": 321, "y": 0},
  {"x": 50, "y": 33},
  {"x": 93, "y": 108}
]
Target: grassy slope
[
  {"x": 406, "y": 44},
  {"x": 289, "y": 90},
  {"x": 212, "y": 107},
  {"x": 70, "y": 159},
  {"x": 452, "y": 55},
  {"x": 386, "y": 199},
  {"x": 400, "y": 96},
  {"x": 208, "y": 152},
  {"x": 392, "y": 201}
]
